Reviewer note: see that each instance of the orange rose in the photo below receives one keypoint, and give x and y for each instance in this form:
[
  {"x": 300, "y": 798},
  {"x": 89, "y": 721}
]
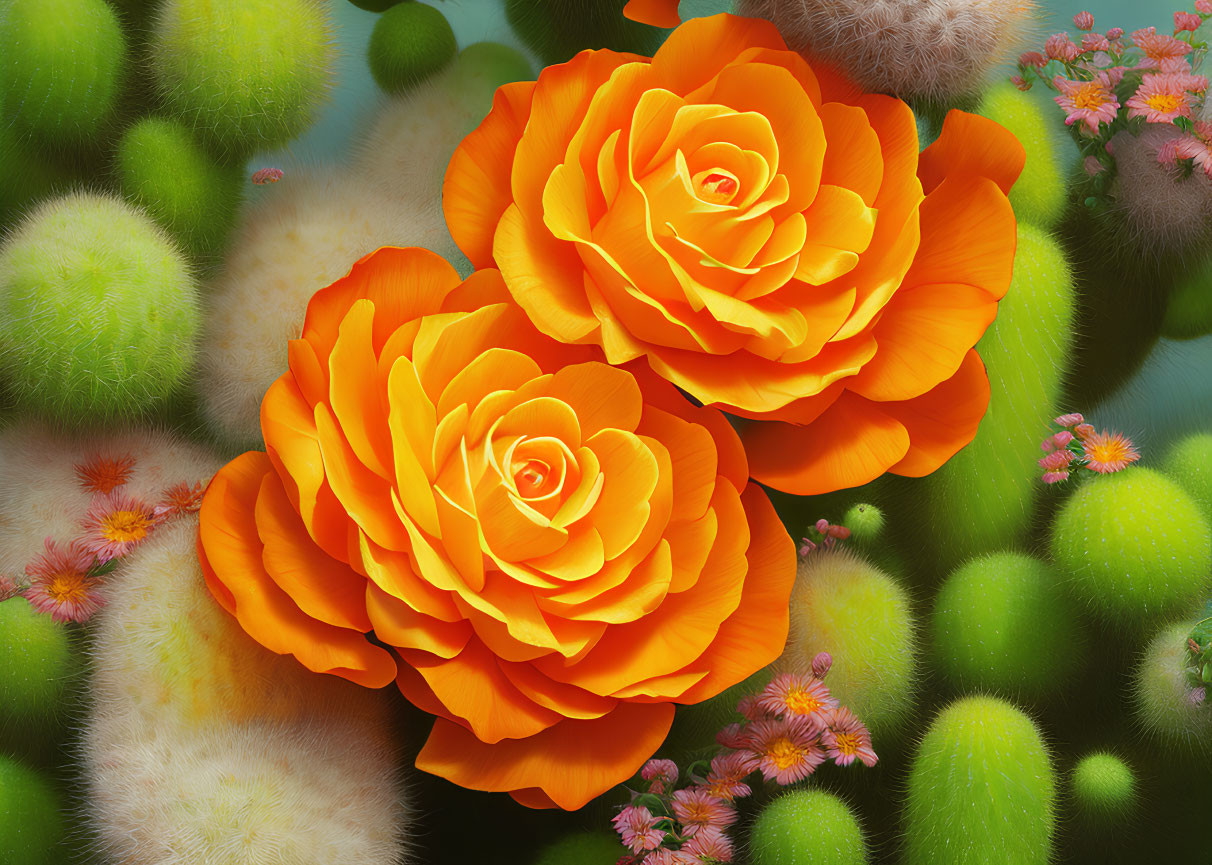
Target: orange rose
[
  {"x": 761, "y": 234},
  {"x": 658, "y": 13},
  {"x": 555, "y": 550}
]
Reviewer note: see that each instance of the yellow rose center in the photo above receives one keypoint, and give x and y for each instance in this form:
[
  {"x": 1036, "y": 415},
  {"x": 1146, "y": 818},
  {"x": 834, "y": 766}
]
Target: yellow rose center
[
  {"x": 125, "y": 526},
  {"x": 716, "y": 187}
]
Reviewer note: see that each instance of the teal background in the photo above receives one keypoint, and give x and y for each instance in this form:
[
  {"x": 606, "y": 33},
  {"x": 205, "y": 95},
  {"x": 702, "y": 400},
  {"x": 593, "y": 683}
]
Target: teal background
[{"x": 1172, "y": 393}]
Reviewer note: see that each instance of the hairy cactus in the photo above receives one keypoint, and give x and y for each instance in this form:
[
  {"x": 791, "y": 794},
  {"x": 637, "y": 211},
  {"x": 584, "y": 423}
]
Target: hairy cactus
[
  {"x": 1039, "y": 196},
  {"x": 1104, "y": 788},
  {"x": 807, "y": 827}
]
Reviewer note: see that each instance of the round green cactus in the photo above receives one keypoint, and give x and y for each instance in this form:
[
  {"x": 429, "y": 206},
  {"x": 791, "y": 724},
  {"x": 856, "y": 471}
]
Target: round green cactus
[
  {"x": 244, "y": 76},
  {"x": 1165, "y": 705},
  {"x": 37, "y": 664},
  {"x": 866, "y": 523},
  {"x": 1189, "y": 464},
  {"x": 61, "y": 66},
  {"x": 981, "y": 789},
  {"x": 807, "y": 827},
  {"x": 195, "y": 199},
  {"x": 98, "y": 311},
  {"x": 1104, "y": 787},
  {"x": 1189, "y": 308},
  {"x": 583, "y": 848},
  {"x": 999, "y": 624},
  {"x": 481, "y": 68},
  {"x": 31, "y": 824},
  {"x": 844, "y": 605},
  {"x": 981, "y": 500},
  {"x": 1039, "y": 196},
  {"x": 1134, "y": 546},
  {"x": 410, "y": 42},
  {"x": 558, "y": 29}
]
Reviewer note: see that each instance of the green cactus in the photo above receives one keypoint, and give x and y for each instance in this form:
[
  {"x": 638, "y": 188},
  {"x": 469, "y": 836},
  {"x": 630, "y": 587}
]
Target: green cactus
[
  {"x": 1189, "y": 307},
  {"x": 1000, "y": 624},
  {"x": 1165, "y": 708},
  {"x": 1104, "y": 788},
  {"x": 807, "y": 827},
  {"x": 1134, "y": 547},
  {"x": 583, "y": 848},
  {"x": 981, "y": 500},
  {"x": 1189, "y": 464},
  {"x": 37, "y": 664},
  {"x": 1039, "y": 196},
  {"x": 558, "y": 29},
  {"x": 31, "y": 824},
  {"x": 410, "y": 42},
  {"x": 981, "y": 789}
]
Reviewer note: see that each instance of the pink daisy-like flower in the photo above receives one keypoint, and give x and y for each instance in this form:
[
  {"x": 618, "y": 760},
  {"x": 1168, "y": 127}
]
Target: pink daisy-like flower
[
  {"x": 726, "y": 780},
  {"x": 1186, "y": 21},
  {"x": 787, "y": 749},
  {"x": 846, "y": 739},
  {"x": 695, "y": 808},
  {"x": 750, "y": 708},
  {"x": 115, "y": 524},
  {"x": 180, "y": 499},
  {"x": 1055, "y": 477},
  {"x": 99, "y": 474},
  {"x": 1091, "y": 102},
  {"x": 665, "y": 856},
  {"x": 1095, "y": 42},
  {"x": 733, "y": 736},
  {"x": 1109, "y": 452},
  {"x": 711, "y": 843},
  {"x": 637, "y": 827},
  {"x": 822, "y": 662},
  {"x": 1060, "y": 47},
  {"x": 1203, "y": 7},
  {"x": 1069, "y": 420},
  {"x": 1197, "y": 147},
  {"x": 10, "y": 588},
  {"x": 1160, "y": 99},
  {"x": 1161, "y": 51},
  {"x": 1033, "y": 60},
  {"x": 791, "y": 694},
  {"x": 60, "y": 583},
  {"x": 1057, "y": 461}
]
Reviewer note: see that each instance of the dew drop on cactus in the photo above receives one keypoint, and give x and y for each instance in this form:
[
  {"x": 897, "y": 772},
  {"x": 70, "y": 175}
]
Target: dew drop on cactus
[
  {"x": 843, "y": 605},
  {"x": 981, "y": 789},
  {"x": 1134, "y": 548},
  {"x": 807, "y": 827}
]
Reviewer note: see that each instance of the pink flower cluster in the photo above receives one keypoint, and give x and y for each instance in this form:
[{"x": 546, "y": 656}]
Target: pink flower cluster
[
  {"x": 823, "y": 536},
  {"x": 1078, "y": 446},
  {"x": 1110, "y": 82},
  {"x": 790, "y": 728},
  {"x": 66, "y": 580}
]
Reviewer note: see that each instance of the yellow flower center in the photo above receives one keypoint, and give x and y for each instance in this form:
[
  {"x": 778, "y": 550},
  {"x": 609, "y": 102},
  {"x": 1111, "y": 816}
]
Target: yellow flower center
[
  {"x": 801, "y": 702},
  {"x": 1091, "y": 95},
  {"x": 1166, "y": 103},
  {"x": 68, "y": 587},
  {"x": 784, "y": 753},
  {"x": 1109, "y": 450},
  {"x": 125, "y": 526},
  {"x": 847, "y": 743}
]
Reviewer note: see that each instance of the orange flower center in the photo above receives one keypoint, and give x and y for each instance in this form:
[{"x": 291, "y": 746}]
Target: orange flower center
[
  {"x": 801, "y": 702},
  {"x": 68, "y": 587},
  {"x": 1165, "y": 103},
  {"x": 1092, "y": 95},
  {"x": 784, "y": 753},
  {"x": 1109, "y": 450},
  {"x": 716, "y": 187},
  {"x": 530, "y": 478},
  {"x": 847, "y": 743},
  {"x": 125, "y": 526}
]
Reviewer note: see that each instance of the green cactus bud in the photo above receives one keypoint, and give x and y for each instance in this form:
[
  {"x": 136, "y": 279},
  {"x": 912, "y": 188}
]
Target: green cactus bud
[
  {"x": 981, "y": 789},
  {"x": 1163, "y": 696},
  {"x": 1104, "y": 788},
  {"x": 410, "y": 42},
  {"x": 37, "y": 664},
  {"x": 866, "y": 523}
]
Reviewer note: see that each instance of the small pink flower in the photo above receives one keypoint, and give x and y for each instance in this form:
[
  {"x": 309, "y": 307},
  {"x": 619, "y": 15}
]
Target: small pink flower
[
  {"x": 1161, "y": 51},
  {"x": 1095, "y": 42},
  {"x": 696, "y": 808},
  {"x": 178, "y": 500},
  {"x": 1020, "y": 82},
  {"x": 726, "y": 780},
  {"x": 806, "y": 547},
  {"x": 789, "y": 694},
  {"x": 1197, "y": 147},
  {"x": 637, "y": 827},
  {"x": 1109, "y": 452},
  {"x": 115, "y": 524},
  {"x": 1161, "y": 98},
  {"x": 1055, "y": 477},
  {"x": 1115, "y": 33},
  {"x": 788, "y": 749},
  {"x": 664, "y": 770},
  {"x": 1056, "y": 441},
  {"x": 1083, "y": 21},
  {"x": 821, "y": 663},
  {"x": 733, "y": 736},
  {"x": 1203, "y": 7},
  {"x": 1033, "y": 60},
  {"x": 1057, "y": 461},
  {"x": 1091, "y": 102},
  {"x": 1186, "y": 21},
  {"x": 846, "y": 739},
  {"x": 665, "y": 856},
  {"x": 710, "y": 843},
  {"x": 1196, "y": 697},
  {"x": 748, "y": 706},
  {"x": 263, "y": 176},
  {"x": 1068, "y": 420},
  {"x": 60, "y": 583},
  {"x": 1082, "y": 430},
  {"x": 1060, "y": 47}
]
